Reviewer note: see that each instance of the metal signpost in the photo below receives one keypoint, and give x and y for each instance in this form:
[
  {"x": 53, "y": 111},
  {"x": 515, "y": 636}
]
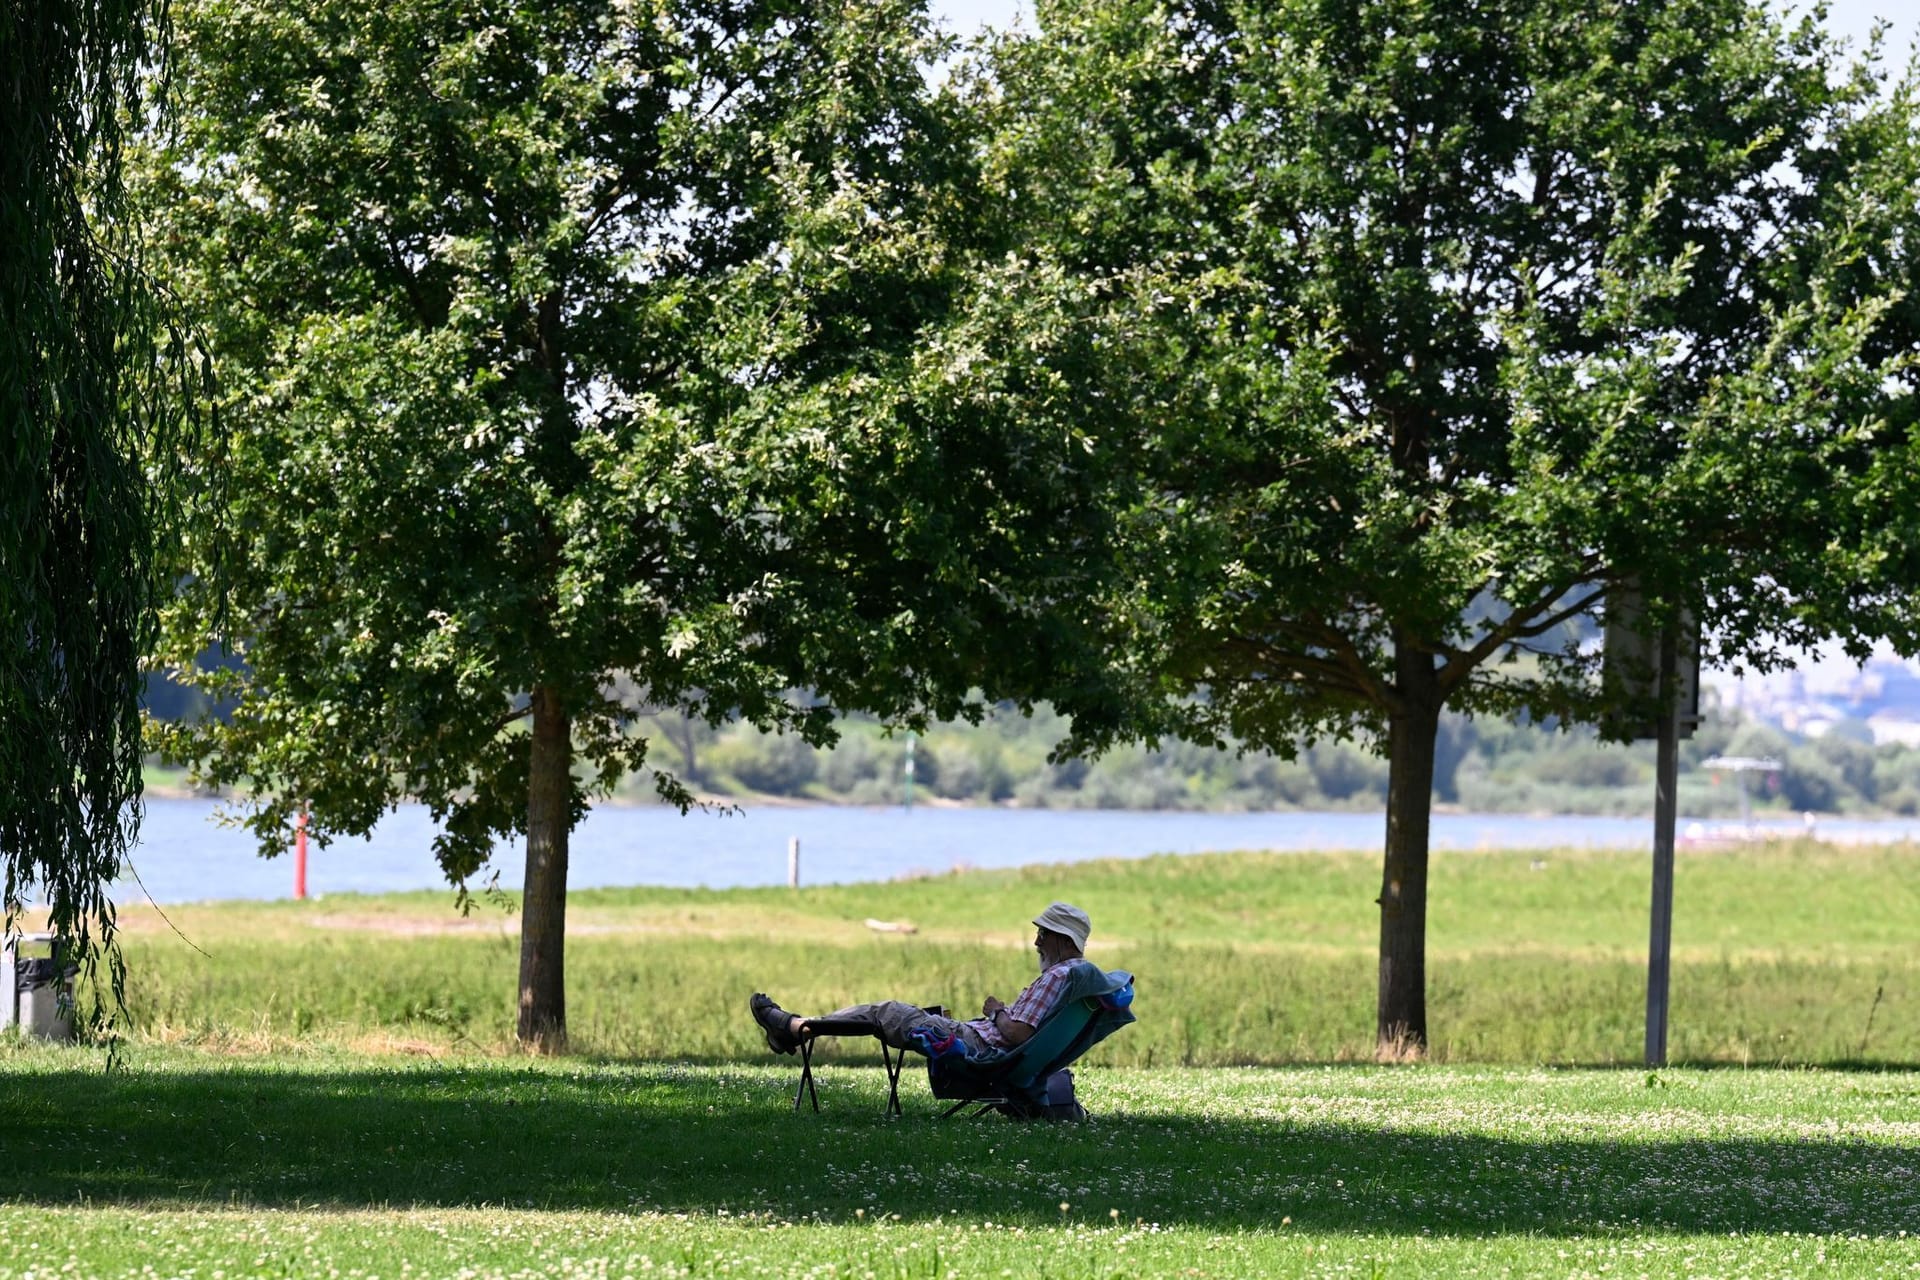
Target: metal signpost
[
  {"x": 1655, "y": 669},
  {"x": 1666, "y": 777}
]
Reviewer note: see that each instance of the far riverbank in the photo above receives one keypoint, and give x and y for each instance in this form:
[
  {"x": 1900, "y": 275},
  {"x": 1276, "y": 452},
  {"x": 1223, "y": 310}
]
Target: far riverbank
[{"x": 185, "y": 856}]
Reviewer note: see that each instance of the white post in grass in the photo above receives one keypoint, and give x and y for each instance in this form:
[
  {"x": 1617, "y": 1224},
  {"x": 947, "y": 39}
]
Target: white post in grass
[{"x": 793, "y": 862}]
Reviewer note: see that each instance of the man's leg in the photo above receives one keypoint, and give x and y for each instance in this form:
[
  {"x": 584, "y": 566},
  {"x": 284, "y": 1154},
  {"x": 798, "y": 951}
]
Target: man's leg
[
  {"x": 782, "y": 1028},
  {"x": 894, "y": 1021}
]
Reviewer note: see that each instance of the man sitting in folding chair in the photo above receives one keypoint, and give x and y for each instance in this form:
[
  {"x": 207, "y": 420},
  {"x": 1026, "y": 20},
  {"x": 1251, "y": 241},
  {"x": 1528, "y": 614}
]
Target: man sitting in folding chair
[{"x": 1000, "y": 1028}]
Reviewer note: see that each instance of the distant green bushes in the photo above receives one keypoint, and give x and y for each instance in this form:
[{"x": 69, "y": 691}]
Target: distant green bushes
[{"x": 1482, "y": 766}]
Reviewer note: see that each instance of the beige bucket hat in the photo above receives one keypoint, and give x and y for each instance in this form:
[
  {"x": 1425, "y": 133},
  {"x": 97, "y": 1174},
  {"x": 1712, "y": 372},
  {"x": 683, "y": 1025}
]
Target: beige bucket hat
[{"x": 1068, "y": 920}]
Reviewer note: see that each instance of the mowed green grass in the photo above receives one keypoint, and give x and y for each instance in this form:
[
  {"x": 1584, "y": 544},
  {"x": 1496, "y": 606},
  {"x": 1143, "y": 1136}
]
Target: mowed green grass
[
  {"x": 331, "y": 1163},
  {"x": 1795, "y": 954},
  {"x": 328, "y": 1088}
]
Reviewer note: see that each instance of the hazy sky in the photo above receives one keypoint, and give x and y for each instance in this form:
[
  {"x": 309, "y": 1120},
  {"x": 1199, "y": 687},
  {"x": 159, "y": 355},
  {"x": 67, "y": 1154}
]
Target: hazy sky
[{"x": 1846, "y": 17}]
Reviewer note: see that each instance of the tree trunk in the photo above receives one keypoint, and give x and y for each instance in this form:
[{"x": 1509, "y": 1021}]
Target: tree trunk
[
  {"x": 1400, "y": 1021},
  {"x": 543, "y": 910},
  {"x": 687, "y": 748}
]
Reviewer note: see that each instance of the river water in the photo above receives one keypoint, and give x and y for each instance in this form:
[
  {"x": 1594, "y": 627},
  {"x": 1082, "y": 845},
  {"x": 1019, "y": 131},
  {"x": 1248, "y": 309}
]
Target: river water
[{"x": 184, "y": 855}]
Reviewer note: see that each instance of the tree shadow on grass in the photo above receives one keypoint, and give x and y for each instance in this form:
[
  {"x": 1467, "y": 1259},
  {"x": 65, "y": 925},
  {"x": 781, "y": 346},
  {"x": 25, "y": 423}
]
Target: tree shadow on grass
[
  {"x": 1838, "y": 1066},
  {"x": 1851, "y": 1066},
  {"x": 668, "y": 1138}
]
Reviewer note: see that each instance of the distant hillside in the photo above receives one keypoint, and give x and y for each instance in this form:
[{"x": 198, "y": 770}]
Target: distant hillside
[{"x": 1483, "y": 766}]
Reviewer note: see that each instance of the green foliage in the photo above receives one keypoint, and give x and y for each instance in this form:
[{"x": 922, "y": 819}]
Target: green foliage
[
  {"x": 1492, "y": 766},
  {"x": 1409, "y": 333},
  {"x": 778, "y": 764},
  {"x": 563, "y": 344},
  {"x": 1439, "y": 321},
  {"x": 471, "y": 277},
  {"x": 94, "y": 380}
]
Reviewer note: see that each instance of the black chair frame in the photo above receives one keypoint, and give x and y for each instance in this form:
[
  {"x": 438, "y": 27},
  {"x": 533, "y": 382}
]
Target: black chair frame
[{"x": 894, "y": 1059}]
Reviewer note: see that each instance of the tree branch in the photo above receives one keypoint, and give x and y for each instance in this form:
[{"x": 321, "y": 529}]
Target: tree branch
[
  {"x": 1374, "y": 690},
  {"x": 1573, "y": 610},
  {"x": 1307, "y": 668},
  {"x": 1520, "y": 624},
  {"x": 503, "y": 721}
]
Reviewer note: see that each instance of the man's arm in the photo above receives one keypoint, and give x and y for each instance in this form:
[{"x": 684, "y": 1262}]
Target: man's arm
[{"x": 1011, "y": 1029}]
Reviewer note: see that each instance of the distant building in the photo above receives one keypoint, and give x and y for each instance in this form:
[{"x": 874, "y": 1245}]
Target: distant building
[{"x": 1809, "y": 702}]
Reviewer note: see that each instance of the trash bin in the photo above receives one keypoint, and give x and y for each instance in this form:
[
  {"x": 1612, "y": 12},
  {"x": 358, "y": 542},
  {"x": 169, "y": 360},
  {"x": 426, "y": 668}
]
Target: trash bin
[{"x": 38, "y": 990}]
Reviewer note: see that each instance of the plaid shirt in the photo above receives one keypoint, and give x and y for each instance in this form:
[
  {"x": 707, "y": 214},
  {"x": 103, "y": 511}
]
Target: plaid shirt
[{"x": 1033, "y": 1005}]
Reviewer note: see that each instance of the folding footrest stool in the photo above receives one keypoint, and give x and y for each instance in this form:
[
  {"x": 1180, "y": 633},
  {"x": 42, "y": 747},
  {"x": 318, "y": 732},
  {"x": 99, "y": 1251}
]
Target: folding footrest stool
[{"x": 894, "y": 1059}]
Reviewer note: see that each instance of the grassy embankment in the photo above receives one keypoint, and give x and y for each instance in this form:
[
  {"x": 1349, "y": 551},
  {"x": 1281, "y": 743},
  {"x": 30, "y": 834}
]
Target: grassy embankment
[
  {"x": 253, "y": 1129},
  {"x": 1796, "y": 954}
]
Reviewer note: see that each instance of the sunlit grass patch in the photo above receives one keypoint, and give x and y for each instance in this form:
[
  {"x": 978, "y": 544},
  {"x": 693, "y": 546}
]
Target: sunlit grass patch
[
  {"x": 490, "y": 1244},
  {"x": 1796, "y": 954}
]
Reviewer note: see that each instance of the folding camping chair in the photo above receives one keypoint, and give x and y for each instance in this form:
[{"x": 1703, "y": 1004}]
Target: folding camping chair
[{"x": 1095, "y": 1005}]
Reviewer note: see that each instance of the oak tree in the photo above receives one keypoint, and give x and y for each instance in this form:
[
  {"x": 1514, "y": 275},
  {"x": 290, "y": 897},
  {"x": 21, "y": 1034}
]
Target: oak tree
[
  {"x": 1408, "y": 332},
  {"x": 569, "y": 350}
]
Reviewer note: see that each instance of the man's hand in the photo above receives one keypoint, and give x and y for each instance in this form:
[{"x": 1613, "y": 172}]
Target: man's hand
[{"x": 1013, "y": 1032}]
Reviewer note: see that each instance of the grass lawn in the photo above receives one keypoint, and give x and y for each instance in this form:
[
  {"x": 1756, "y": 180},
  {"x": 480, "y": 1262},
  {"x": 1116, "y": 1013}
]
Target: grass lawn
[
  {"x": 1797, "y": 954},
  {"x": 340, "y": 1163},
  {"x": 327, "y": 1091}
]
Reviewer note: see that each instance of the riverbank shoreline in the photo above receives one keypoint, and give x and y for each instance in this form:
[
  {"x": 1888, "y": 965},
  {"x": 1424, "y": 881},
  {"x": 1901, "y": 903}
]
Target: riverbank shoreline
[{"x": 185, "y": 854}]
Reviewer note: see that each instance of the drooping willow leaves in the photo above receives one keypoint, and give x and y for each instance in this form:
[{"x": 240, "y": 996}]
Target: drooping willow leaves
[{"x": 90, "y": 375}]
